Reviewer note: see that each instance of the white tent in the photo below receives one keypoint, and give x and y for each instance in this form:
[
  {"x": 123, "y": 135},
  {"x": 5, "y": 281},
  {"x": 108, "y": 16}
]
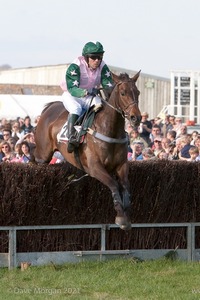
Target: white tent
[{"x": 13, "y": 106}]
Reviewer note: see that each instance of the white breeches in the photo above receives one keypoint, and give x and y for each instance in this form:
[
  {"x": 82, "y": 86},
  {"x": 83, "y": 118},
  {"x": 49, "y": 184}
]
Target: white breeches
[{"x": 78, "y": 105}]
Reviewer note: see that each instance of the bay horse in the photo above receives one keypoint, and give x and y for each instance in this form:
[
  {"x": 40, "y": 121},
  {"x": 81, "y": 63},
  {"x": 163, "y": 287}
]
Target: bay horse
[{"x": 102, "y": 155}]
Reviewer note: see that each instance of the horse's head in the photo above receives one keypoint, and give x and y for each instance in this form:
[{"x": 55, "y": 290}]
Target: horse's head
[{"x": 128, "y": 95}]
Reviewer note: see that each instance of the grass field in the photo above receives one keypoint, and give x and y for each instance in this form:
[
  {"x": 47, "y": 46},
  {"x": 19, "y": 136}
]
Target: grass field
[{"x": 123, "y": 279}]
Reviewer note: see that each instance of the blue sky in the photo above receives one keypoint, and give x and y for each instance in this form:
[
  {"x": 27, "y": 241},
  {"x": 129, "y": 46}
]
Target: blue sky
[{"x": 155, "y": 36}]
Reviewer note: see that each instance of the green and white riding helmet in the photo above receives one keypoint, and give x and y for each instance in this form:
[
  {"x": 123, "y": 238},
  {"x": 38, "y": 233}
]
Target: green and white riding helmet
[{"x": 92, "y": 48}]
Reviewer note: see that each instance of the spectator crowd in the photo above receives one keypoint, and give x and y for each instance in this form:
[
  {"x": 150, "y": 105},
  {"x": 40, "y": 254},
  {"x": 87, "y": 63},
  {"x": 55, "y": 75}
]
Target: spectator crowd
[
  {"x": 17, "y": 141},
  {"x": 160, "y": 139}
]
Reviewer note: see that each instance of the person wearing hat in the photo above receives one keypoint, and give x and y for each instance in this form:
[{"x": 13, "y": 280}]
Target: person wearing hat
[
  {"x": 157, "y": 145},
  {"x": 83, "y": 77}
]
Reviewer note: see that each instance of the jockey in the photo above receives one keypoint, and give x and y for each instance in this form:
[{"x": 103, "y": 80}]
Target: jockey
[{"x": 83, "y": 77}]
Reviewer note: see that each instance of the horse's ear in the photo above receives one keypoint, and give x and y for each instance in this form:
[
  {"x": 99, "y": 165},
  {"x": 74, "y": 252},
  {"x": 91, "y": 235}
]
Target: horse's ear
[
  {"x": 115, "y": 77},
  {"x": 136, "y": 76}
]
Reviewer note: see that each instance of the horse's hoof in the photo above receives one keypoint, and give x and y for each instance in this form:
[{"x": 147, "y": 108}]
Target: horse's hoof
[
  {"x": 126, "y": 227},
  {"x": 123, "y": 222}
]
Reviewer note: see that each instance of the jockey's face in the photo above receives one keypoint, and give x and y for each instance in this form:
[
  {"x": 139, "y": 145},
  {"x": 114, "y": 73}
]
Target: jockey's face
[{"x": 94, "y": 61}]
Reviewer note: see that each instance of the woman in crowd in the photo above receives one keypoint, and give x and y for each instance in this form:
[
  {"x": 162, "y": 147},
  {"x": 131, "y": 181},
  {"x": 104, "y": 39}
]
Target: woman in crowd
[
  {"x": 26, "y": 152},
  {"x": 136, "y": 153},
  {"x": 8, "y": 154},
  {"x": 194, "y": 136}
]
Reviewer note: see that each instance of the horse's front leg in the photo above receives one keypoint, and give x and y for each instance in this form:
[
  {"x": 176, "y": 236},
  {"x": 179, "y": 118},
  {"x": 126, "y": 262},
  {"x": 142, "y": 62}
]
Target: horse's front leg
[
  {"x": 102, "y": 175},
  {"x": 122, "y": 173}
]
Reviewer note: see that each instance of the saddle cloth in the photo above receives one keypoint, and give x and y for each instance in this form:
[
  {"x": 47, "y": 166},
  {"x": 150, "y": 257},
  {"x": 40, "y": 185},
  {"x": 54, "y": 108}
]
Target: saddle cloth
[{"x": 81, "y": 126}]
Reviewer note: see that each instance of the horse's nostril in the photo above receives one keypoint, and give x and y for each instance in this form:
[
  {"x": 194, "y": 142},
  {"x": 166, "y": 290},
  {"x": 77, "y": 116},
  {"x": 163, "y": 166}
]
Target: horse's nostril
[{"x": 133, "y": 119}]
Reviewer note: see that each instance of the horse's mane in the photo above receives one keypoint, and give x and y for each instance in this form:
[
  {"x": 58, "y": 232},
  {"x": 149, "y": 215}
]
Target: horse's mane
[{"x": 123, "y": 76}]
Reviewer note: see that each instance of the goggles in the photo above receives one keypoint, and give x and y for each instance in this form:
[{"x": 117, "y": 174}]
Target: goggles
[{"x": 94, "y": 57}]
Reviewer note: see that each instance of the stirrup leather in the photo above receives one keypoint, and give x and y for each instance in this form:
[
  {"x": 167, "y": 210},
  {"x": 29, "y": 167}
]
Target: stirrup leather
[
  {"x": 72, "y": 144},
  {"x": 73, "y": 141}
]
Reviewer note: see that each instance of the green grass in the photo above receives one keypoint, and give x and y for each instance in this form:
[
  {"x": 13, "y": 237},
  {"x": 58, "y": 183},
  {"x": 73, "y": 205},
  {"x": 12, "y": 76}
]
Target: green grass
[{"x": 113, "y": 280}]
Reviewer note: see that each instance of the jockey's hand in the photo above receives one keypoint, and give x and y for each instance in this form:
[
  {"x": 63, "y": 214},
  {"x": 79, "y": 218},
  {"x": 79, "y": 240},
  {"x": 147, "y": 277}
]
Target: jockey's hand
[{"x": 93, "y": 92}]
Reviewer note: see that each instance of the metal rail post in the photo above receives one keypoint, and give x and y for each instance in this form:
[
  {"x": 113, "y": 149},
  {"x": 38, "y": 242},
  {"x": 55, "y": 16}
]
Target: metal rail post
[
  {"x": 12, "y": 248},
  {"x": 191, "y": 241}
]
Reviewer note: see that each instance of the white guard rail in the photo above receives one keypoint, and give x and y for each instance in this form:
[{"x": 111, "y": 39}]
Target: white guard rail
[{"x": 12, "y": 259}]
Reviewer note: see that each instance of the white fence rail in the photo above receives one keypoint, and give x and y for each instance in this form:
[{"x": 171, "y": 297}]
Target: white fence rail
[{"x": 13, "y": 259}]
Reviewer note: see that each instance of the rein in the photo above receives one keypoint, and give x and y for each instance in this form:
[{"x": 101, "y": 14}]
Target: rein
[{"x": 117, "y": 109}]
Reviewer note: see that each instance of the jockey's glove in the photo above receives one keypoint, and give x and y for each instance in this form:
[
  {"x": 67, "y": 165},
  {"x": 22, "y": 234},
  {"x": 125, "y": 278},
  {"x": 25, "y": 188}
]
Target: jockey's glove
[{"x": 92, "y": 92}]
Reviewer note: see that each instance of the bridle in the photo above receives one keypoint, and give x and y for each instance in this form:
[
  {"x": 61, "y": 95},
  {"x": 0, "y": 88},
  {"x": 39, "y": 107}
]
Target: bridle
[
  {"x": 122, "y": 112},
  {"x": 118, "y": 110}
]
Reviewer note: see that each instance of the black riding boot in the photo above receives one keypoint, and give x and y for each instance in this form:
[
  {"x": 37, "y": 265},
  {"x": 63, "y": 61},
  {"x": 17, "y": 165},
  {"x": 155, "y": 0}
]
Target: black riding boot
[{"x": 71, "y": 133}]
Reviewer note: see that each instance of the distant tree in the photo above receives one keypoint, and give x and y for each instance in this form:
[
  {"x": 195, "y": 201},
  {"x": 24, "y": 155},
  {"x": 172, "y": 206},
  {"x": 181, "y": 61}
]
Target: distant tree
[{"x": 5, "y": 67}]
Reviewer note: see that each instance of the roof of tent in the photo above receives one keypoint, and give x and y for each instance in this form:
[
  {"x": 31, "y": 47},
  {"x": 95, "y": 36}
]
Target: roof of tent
[{"x": 13, "y": 106}]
